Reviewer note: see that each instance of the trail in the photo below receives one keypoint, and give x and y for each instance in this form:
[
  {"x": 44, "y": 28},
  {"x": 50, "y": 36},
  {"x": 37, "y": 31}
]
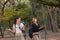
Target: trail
[{"x": 49, "y": 36}]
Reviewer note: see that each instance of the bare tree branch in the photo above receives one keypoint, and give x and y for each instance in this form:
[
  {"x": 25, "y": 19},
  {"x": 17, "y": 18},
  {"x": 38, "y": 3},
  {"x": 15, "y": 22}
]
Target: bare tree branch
[{"x": 4, "y": 6}]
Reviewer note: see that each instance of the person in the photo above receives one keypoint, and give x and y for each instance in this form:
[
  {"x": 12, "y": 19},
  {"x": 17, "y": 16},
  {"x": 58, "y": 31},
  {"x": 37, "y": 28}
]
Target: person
[
  {"x": 35, "y": 28},
  {"x": 17, "y": 28}
]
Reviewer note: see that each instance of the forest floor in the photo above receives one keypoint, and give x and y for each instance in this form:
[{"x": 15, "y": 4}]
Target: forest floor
[{"x": 49, "y": 36}]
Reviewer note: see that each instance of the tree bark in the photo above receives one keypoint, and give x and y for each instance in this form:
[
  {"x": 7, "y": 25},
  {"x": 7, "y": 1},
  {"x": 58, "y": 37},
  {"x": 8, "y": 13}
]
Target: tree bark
[
  {"x": 4, "y": 7},
  {"x": 2, "y": 14},
  {"x": 53, "y": 24}
]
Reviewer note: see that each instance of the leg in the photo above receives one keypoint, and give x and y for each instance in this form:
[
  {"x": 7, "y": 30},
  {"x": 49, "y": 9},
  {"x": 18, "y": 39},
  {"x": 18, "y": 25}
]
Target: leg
[
  {"x": 21, "y": 36},
  {"x": 24, "y": 33},
  {"x": 35, "y": 37}
]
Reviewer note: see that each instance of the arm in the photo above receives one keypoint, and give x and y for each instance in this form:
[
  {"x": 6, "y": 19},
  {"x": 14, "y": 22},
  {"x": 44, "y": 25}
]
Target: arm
[
  {"x": 14, "y": 28},
  {"x": 42, "y": 27},
  {"x": 22, "y": 27}
]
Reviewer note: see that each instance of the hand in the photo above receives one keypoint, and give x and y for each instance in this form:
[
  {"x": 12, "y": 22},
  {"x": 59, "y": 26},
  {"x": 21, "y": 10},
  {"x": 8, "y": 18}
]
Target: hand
[
  {"x": 9, "y": 29},
  {"x": 42, "y": 27},
  {"x": 22, "y": 28}
]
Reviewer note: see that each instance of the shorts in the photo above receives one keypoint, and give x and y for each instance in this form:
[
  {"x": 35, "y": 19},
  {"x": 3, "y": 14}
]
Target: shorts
[{"x": 19, "y": 36}]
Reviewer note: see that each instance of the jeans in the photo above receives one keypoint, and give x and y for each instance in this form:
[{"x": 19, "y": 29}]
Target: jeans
[{"x": 24, "y": 34}]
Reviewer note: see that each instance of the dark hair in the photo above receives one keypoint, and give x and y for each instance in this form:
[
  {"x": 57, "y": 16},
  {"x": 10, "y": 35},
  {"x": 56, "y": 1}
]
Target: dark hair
[{"x": 17, "y": 17}]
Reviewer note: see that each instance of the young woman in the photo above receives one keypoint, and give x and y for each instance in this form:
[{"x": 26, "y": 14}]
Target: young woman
[
  {"x": 17, "y": 28},
  {"x": 35, "y": 27}
]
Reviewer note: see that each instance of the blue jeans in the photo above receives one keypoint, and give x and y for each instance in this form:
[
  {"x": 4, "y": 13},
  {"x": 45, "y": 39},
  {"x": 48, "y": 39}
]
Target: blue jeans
[{"x": 24, "y": 33}]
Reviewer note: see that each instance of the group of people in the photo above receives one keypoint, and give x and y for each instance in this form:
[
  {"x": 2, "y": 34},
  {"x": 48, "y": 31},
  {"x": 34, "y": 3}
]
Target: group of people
[{"x": 19, "y": 29}]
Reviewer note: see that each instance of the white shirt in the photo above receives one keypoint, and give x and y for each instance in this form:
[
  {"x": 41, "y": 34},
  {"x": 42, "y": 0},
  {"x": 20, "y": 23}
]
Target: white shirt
[{"x": 18, "y": 30}]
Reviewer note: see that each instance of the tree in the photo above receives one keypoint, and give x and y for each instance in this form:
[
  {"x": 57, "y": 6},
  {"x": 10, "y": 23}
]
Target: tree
[
  {"x": 55, "y": 3},
  {"x": 4, "y": 6},
  {"x": 50, "y": 4},
  {"x": 53, "y": 23}
]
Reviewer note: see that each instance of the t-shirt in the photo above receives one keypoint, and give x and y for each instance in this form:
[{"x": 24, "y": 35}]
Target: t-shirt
[
  {"x": 36, "y": 28},
  {"x": 17, "y": 27}
]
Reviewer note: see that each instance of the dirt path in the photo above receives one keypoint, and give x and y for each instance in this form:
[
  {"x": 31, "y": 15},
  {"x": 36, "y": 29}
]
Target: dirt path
[{"x": 49, "y": 36}]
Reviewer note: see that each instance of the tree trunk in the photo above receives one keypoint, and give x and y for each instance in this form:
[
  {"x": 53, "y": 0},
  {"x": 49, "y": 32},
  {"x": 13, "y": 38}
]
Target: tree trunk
[
  {"x": 2, "y": 14},
  {"x": 4, "y": 7},
  {"x": 53, "y": 24}
]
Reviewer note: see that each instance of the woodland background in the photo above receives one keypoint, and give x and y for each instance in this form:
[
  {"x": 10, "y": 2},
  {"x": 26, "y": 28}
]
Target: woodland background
[{"x": 47, "y": 12}]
